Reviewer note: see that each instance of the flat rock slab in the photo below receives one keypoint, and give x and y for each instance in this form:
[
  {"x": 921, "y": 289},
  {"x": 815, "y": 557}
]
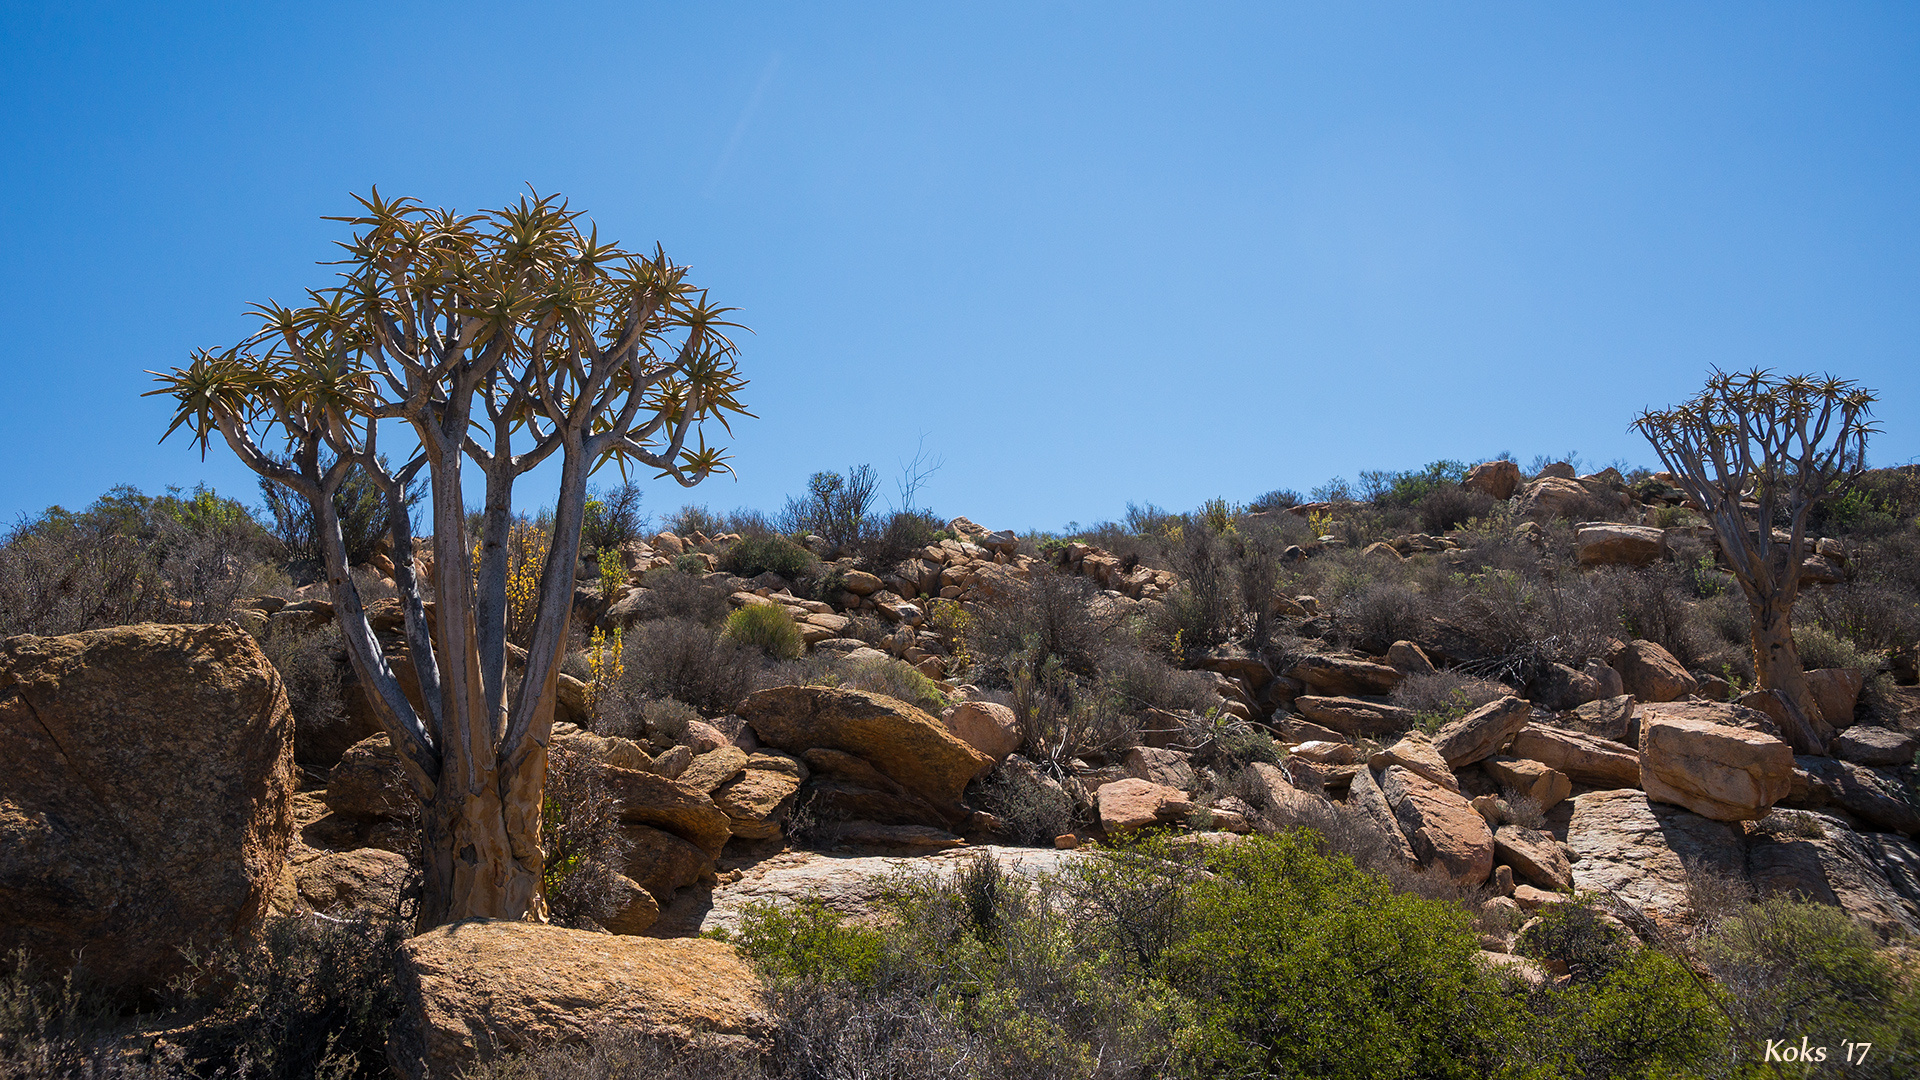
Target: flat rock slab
[
  {"x": 1481, "y": 733},
  {"x": 1585, "y": 759},
  {"x": 852, "y": 886},
  {"x": 1864, "y": 745},
  {"x": 1875, "y": 877},
  {"x": 1642, "y": 850}
]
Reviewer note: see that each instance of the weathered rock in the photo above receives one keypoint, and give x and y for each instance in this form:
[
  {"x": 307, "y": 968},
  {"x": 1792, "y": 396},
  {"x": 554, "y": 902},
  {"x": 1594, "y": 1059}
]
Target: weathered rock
[
  {"x": 1482, "y": 732},
  {"x": 757, "y": 801},
  {"x": 1409, "y": 658},
  {"x": 1353, "y": 716},
  {"x": 370, "y": 783},
  {"x": 1837, "y": 692},
  {"x": 606, "y": 749},
  {"x": 1866, "y": 745},
  {"x": 1559, "y": 688},
  {"x": 364, "y": 880},
  {"x": 1535, "y": 857},
  {"x": 1494, "y": 478},
  {"x": 861, "y": 583},
  {"x": 1275, "y": 792},
  {"x": 1536, "y": 780},
  {"x": 1585, "y": 759},
  {"x": 673, "y": 762},
  {"x": 1650, "y": 672},
  {"x": 1446, "y": 834},
  {"x": 1326, "y": 753},
  {"x": 663, "y": 863},
  {"x": 1553, "y": 496},
  {"x": 1416, "y": 753},
  {"x": 1644, "y": 850},
  {"x": 146, "y": 778},
  {"x": 1365, "y": 797},
  {"x": 476, "y": 990},
  {"x": 1130, "y": 804},
  {"x": 1335, "y": 676},
  {"x": 1707, "y": 712},
  {"x": 1876, "y": 796},
  {"x": 652, "y": 799},
  {"x": 637, "y": 908},
  {"x": 1875, "y": 877},
  {"x": 713, "y": 768},
  {"x": 897, "y": 739},
  {"x": 1601, "y": 544},
  {"x": 1720, "y": 772},
  {"x": 1168, "y": 768},
  {"x": 1606, "y": 679},
  {"x": 1610, "y": 718},
  {"x": 987, "y": 726}
]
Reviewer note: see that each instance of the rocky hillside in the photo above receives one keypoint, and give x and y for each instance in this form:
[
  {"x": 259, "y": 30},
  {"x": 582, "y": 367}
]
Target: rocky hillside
[{"x": 1509, "y": 694}]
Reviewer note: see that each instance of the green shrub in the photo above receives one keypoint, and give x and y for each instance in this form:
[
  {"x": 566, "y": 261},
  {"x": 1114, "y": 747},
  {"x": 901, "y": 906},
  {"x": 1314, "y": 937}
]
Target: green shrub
[
  {"x": 767, "y": 627},
  {"x": 808, "y": 941},
  {"x": 752, "y": 556},
  {"x": 690, "y": 563},
  {"x": 891, "y": 677},
  {"x": 1309, "y": 967},
  {"x": 1577, "y": 935}
]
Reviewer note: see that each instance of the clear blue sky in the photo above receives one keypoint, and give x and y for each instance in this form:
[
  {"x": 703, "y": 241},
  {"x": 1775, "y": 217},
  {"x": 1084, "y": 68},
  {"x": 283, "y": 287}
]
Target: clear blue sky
[{"x": 1093, "y": 252}]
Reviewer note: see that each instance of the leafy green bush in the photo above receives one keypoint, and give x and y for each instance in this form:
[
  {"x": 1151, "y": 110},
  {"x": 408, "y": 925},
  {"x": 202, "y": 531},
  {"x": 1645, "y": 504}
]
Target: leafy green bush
[
  {"x": 809, "y": 941},
  {"x": 767, "y": 627},
  {"x": 752, "y": 556},
  {"x": 612, "y": 518}
]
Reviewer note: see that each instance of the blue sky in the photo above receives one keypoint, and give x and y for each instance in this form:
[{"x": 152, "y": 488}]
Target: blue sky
[{"x": 1093, "y": 253}]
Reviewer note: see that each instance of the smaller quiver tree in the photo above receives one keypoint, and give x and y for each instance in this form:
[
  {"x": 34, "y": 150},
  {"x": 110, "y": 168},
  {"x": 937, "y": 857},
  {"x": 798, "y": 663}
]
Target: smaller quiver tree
[{"x": 1755, "y": 451}]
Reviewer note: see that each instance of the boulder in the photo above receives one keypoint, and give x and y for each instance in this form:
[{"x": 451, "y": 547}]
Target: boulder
[
  {"x": 369, "y": 783},
  {"x": 1560, "y": 688},
  {"x": 1650, "y": 673},
  {"x": 1874, "y": 877},
  {"x": 757, "y": 802},
  {"x": 1482, "y": 732},
  {"x": 1168, "y": 768},
  {"x": 1719, "y": 772},
  {"x": 1497, "y": 479},
  {"x": 1877, "y": 797},
  {"x": 1365, "y": 797},
  {"x": 1409, "y": 658},
  {"x": 146, "y": 784},
  {"x": 1610, "y": 718},
  {"x": 1130, "y": 804},
  {"x": 1552, "y": 497},
  {"x": 663, "y": 863},
  {"x": 713, "y": 768},
  {"x": 1275, "y": 792},
  {"x": 1585, "y": 759},
  {"x": 1603, "y": 544},
  {"x": 1353, "y": 716},
  {"x": 476, "y": 990},
  {"x": 1336, "y": 676},
  {"x": 1706, "y": 712},
  {"x": 899, "y": 740},
  {"x": 1417, "y": 754},
  {"x": 1447, "y": 835},
  {"x": 651, "y": 799},
  {"x": 987, "y": 726},
  {"x": 362, "y": 881},
  {"x": 1535, "y": 857},
  {"x": 1536, "y": 780},
  {"x": 1325, "y": 752},
  {"x": 1863, "y": 744},
  {"x": 636, "y": 909},
  {"x": 1837, "y": 692},
  {"x": 861, "y": 583},
  {"x": 1647, "y": 852}
]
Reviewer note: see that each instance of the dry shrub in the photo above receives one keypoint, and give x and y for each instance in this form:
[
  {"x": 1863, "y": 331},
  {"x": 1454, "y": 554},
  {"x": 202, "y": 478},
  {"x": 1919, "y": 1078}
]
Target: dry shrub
[
  {"x": 614, "y": 1052},
  {"x": 585, "y": 846},
  {"x": 310, "y": 665},
  {"x": 1032, "y": 810},
  {"x": 675, "y": 595},
  {"x": 1379, "y": 614},
  {"x": 687, "y": 661}
]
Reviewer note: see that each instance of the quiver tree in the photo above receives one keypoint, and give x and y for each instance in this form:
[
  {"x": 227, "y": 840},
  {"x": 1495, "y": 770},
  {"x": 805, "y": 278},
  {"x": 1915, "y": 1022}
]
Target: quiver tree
[
  {"x": 1756, "y": 452},
  {"x": 497, "y": 339}
]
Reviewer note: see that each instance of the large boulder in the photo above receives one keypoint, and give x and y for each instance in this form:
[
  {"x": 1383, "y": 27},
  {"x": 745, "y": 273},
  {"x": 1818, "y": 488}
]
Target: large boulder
[
  {"x": 1495, "y": 478},
  {"x": 1585, "y": 759},
  {"x": 1837, "y": 692},
  {"x": 1878, "y": 797},
  {"x": 1366, "y": 798},
  {"x": 1336, "y": 676},
  {"x": 1353, "y": 716},
  {"x": 1536, "y": 780},
  {"x": 1415, "y": 753},
  {"x": 1535, "y": 857},
  {"x": 1553, "y": 497},
  {"x": 476, "y": 990},
  {"x": 651, "y": 799},
  {"x": 1719, "y": 772},
  {"x": 757, "y": 801},
  {"x": 1603, "y": 544},
  {"x": 1650, "y": 672},
  {"x": 1867, "y": 745},
  {"x": 663, "y": 863},
  {"x": 1482, "y": 732},
  {"x": 146, "y": 783},
  {"x": 369, "y": 783},
  {"x": 1447, "y": 835},
  {"x": 1130, "y": 804},
  {"x": 1648, "y": 853},
  {"x": 899, "y": 740},
  {"x": 987, "y": 726},
  {"x": 1875, "y": 877}
]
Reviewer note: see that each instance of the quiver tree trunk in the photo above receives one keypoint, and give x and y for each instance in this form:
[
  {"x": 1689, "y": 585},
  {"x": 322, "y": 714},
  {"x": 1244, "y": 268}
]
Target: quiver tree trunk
[{"x": 1776, "y": 666}]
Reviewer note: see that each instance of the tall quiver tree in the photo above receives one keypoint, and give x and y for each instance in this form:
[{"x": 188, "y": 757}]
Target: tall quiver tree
[
  {"x": 1757, "y": 452},
  {"x": 496, "y": 339}
]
